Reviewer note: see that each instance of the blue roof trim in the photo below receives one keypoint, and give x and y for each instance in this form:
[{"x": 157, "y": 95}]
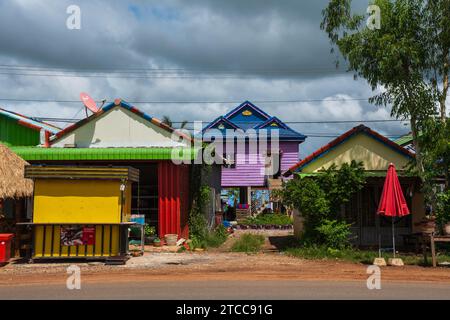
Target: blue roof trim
[
  {"x": 270, "y": 121},
  {"x": 246, "y": 104},
  {"x": 218, "y": 120},
  {"x": 285, "y": 132},
  {"x": 323, "y": 153},
  {"x": 129, "y": 107},
  {"x": 388, "y": 145}
]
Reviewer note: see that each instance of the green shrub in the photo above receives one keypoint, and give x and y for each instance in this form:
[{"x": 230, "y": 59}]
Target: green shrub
[
  {"x": 212, "y": 239},
  {"x": 443, "y": 208},
  {"x": 149, "y": 231},
  {"x": 354, "y": 255},
  {"x": 334, "y": 234},
  {"x": 249, "y": 243},
  {"x": 268, "y": 219},
  {"x": 320, "y": 197},
  {"x": 217, "y": 237}
]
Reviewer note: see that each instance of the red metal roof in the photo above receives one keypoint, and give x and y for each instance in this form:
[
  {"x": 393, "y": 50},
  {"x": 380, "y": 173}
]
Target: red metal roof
[{"x": 342, "y": 138}]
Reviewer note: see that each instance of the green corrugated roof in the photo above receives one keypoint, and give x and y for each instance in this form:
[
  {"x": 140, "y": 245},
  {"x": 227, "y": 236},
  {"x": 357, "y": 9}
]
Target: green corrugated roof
[
  {"x": 404, "y": 139},
  {"x": 36, "y": 153},
  {"x": 368, "y": 174}
]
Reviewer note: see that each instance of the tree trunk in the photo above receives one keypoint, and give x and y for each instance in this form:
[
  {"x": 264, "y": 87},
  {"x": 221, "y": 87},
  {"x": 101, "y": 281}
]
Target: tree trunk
[
  {"x": 442, "y": 100},
  {"x": 445, "y": 84},
  {"x": 417, "y": 147}
]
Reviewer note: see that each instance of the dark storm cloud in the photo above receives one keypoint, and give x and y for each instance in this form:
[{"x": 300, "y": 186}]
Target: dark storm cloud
[
  {"x": 256, "y": 39},
  {"x": 188, "y": 34},
  {"x": 237, "y": 34}
]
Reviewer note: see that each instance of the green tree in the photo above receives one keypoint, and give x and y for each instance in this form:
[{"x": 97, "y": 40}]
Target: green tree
[
  {"x": 170, "y": 123},
  {"x": 340, "y": 184},
  {"x": 312, "y": 203},
  {"x": 408, "y": 57},
  {"x": 319, "y": 200}
]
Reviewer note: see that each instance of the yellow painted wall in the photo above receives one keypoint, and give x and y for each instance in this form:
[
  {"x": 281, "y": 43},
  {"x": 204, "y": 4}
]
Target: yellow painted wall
[
  {"x": 78, "y": 201},
  {"x": 127, "y": 200},
  {"x": 360, "y": 147},
  {"x": 106, "y": 244}
]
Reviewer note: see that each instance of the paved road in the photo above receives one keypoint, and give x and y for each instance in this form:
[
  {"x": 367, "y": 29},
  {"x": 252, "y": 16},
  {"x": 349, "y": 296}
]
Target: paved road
[{"x": 283, "y": 289}]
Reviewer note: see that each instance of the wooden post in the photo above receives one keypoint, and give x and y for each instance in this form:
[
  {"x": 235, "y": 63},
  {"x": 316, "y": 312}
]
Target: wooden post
[
  {"x": 18, "y": 217},
  {"x": 424, "y": 249},
  {"x": 433, "y": 250}
]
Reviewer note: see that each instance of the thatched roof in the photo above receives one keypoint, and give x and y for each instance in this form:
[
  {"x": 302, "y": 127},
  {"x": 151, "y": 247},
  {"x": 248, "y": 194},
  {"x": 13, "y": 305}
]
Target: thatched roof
[{"x": 12, "y": 181}]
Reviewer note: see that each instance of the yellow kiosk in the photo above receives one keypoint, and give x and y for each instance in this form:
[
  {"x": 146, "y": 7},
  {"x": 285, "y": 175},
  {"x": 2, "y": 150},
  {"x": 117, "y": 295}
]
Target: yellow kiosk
[{"x": 80, "y": 211}]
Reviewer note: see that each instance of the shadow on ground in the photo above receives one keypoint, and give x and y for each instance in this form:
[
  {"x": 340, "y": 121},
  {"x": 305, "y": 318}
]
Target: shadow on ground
[{"x": 281, "y": 243}]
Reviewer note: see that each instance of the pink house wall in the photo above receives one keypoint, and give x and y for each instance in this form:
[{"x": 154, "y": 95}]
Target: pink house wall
[
  {"x": 250, "y": 173},
  {"x": 290, "y": 155}
]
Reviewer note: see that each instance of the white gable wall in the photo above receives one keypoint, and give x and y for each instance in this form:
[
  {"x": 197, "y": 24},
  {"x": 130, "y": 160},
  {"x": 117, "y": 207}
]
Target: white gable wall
[{"x": 118, "y": 128}]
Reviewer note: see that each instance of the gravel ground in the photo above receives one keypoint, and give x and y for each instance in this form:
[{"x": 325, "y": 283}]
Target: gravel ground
[{"x": 217, "y": 264}]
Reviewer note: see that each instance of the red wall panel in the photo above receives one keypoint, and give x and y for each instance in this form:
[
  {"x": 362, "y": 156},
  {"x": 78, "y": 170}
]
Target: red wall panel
[{"x": 173, "y": 190}]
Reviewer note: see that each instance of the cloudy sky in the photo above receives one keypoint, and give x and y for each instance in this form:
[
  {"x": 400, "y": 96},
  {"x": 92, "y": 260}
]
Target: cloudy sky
[{"x": 270, "y": 52}]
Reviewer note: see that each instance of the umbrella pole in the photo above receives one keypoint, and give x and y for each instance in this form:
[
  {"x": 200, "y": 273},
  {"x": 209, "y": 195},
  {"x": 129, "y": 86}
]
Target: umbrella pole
[
  {"x": 379, "y": 245},
  {"x": 379, "y": 236},
  {"x": 393, "y": 236}
]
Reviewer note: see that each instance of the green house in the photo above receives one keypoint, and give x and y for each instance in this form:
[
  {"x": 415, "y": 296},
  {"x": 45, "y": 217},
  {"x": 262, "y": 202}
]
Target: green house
[{"x": 19, "y": 130}]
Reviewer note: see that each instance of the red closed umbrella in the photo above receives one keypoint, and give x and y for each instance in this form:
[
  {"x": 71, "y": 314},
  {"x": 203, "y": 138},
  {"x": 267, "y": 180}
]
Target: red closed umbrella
[{"x": 392, "y": 202}]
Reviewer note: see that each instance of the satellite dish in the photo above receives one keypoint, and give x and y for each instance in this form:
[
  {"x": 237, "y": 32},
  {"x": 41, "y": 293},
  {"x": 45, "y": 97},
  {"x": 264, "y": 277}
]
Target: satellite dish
[{"x": 88, "y": 102}]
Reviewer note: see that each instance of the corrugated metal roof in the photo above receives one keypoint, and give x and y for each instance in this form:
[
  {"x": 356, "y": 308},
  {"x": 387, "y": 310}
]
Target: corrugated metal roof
[
  {"x": 36, "y": 153},
  {"x": 26, "y": 121},
  {"x": 250, "y": 121},
  {"x": 403, "y": 140},
  {"x": 367, "y": 174}
]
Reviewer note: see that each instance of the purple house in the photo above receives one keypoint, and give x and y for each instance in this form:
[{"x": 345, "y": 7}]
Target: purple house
[{"x": 254, "y": 170}]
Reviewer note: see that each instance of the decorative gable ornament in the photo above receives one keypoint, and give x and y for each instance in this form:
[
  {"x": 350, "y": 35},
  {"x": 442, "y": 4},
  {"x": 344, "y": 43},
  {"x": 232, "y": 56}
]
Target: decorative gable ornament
[{"x": 247, "y": 113}]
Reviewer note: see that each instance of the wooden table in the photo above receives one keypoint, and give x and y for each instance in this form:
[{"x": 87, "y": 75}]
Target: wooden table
[{"x": 433, "y": 239}]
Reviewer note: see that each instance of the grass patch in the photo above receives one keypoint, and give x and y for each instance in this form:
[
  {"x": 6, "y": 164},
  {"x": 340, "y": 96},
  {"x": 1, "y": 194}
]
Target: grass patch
[
  {"x": 211, "y": 239},
  {"x": 356, "y": 255},
  {"x": 268, "y": 219},
  {"x": 250, "y": 243},
  {"x": 217, "y": 237}
]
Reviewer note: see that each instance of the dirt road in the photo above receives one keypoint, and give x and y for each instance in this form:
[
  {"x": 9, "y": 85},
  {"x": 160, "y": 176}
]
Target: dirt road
[
  {"x": 136, "y": 289},
  {"x": 217, "y": 267}
]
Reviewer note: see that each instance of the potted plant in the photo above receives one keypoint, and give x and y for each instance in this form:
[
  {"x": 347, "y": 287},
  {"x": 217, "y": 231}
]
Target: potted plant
[
  {"x": 157, "y": 242},
  {"x": 171, "y": 239},
  {"x": 149, "y": 233},
  {"x": 136, "y": 251}
]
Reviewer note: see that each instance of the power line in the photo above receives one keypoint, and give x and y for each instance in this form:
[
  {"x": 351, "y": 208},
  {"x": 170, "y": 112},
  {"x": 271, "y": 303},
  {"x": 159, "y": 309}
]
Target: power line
[
  {"x": 137, "y": 70},
  {"x": 147, "y": 76},
  {"x": 149, "y": 73},
  {"x": 287, "y": 122},
  {"x": 189, "y": 102}
]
